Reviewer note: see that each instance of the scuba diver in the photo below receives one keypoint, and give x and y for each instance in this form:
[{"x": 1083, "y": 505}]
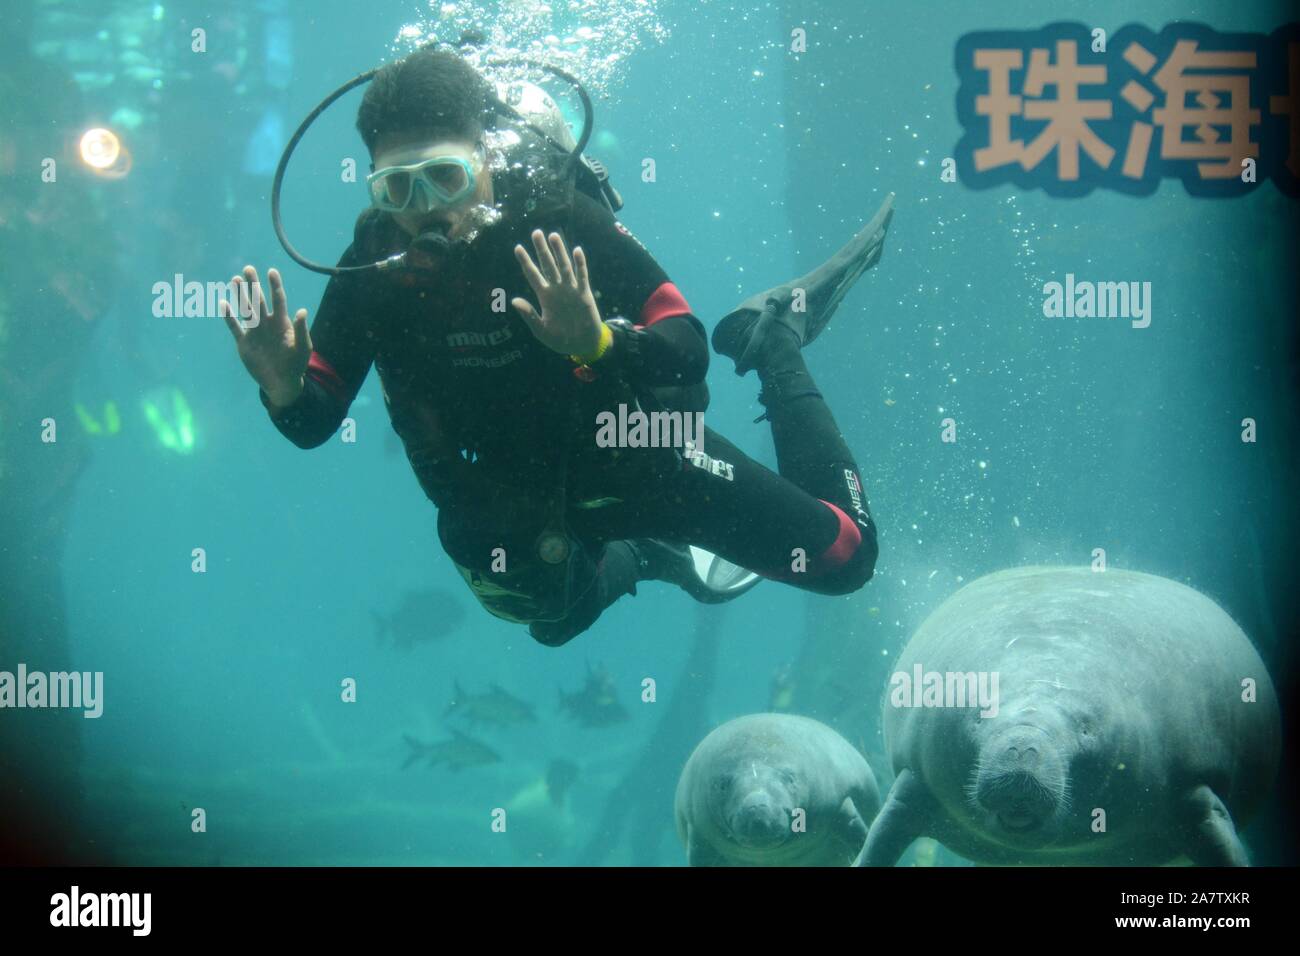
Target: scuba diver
[{"x": 497, "y": 406}]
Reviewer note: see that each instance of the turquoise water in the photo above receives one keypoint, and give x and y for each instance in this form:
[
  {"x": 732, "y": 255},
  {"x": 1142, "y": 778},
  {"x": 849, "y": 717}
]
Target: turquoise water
[{"x": 223, "y": 688}]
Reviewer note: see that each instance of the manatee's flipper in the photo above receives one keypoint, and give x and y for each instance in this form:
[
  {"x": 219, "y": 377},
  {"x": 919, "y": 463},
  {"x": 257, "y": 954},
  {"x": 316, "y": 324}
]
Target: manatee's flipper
[
  {"x": 904, "y": 817},
  {"x": 866, "y": 797},
  {"x": 699, "y": 853},
  {"x": 741, "y": 333},
  {"x": 850, "y": 830},
  {"x": 1211, "y": 836}
]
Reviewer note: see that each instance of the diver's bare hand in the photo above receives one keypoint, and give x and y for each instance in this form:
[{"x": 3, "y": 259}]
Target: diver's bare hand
[
  {"x": 570, "y": 319},
  {"x": 273, "y": 349}
]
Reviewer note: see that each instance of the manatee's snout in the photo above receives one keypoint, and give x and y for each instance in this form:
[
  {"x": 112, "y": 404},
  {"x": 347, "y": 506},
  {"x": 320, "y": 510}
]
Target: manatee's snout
[
  {"x": 1021, "y": 782},
  {"x": 761, "y": 820},
  {"x": 1019, "y": 801}
]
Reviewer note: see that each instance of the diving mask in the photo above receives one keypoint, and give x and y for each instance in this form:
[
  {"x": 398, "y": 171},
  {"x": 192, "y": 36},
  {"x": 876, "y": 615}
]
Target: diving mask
[{"x": 440, "y": 181}]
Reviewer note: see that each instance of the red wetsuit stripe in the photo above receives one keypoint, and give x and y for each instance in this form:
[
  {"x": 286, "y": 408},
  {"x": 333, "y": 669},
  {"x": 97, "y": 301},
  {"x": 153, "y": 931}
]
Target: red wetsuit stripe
[
  {"x": 665, "y": 301},
  {"x": 845, "y": 545},
  {"x": 321, "y": 371}
]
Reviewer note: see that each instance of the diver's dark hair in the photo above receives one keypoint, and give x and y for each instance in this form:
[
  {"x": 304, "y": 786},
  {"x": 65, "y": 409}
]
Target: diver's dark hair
[{"x": 429, "y": 91}]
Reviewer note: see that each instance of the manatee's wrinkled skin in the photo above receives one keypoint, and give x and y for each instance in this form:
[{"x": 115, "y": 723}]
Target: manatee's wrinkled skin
[
  {"x": 1119, "y": 693},
  {"x": 739, "y": 792}
]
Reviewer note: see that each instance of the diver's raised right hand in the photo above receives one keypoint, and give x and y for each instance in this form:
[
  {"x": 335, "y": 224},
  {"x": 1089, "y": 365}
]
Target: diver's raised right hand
[{"x": 274, "y": 350}]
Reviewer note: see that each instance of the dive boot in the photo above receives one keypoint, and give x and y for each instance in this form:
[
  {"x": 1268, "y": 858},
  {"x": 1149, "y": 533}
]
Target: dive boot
[
  {"x": 701, "y": 574},
  {"x": 741, "y": 333}
]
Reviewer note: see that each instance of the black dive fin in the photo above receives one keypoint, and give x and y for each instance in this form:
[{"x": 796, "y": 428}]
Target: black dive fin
[{"x": 824, "y": 289}]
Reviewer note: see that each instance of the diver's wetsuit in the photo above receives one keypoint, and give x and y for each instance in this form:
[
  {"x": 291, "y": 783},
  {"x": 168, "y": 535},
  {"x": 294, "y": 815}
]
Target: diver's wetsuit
[{"x": 493, "y": 422}]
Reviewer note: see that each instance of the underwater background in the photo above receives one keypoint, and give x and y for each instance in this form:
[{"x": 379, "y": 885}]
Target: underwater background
[{"x": 222, "y": 689}]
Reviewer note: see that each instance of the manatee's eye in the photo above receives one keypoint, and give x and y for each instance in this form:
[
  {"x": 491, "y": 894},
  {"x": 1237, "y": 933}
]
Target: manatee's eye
[{"x": 721, "y": 783}]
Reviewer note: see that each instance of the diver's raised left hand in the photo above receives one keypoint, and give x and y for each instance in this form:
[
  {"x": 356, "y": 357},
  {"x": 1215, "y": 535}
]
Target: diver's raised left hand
[{"x": 570, "y": 319}]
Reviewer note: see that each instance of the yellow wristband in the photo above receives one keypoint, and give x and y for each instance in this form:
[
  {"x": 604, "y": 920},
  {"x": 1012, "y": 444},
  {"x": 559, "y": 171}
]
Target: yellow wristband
[{"x": 606, "y": 340}]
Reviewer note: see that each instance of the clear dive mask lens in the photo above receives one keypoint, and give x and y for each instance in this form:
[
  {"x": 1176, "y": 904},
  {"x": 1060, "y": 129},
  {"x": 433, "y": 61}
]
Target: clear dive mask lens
[{"x": 441, "y": 181}]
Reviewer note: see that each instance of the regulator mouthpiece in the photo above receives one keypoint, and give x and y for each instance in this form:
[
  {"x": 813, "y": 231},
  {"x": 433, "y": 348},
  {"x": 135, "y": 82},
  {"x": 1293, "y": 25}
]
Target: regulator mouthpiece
[{"x": 428, "y": 247}]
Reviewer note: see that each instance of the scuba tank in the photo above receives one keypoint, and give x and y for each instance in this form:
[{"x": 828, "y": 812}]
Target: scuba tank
[{"x": 538, "y": 108}]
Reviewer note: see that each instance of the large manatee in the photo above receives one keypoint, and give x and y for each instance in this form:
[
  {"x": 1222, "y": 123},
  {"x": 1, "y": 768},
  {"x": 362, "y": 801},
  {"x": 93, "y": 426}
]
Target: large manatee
[
  {"x": 1133, "y": 724},
  {"x": 739, "y": 796}
]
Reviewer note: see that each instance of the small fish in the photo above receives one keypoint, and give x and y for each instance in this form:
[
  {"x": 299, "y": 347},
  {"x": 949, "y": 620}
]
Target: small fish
[
  {"x": 560, "y": 776},
  {"x": 459, "y": 752},
  {"x": 597, "y": 703},
  {"x": 421, "y": 617},
  {"x": 494, "y": 706}
]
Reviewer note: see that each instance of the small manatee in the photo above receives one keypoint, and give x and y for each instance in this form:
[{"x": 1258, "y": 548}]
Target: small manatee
[{"x": 774, "y": 790}]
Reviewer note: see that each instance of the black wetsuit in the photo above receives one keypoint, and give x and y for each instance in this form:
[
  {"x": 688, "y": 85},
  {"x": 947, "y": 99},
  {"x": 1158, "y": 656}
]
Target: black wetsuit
[{"x": 499, "y": 429}]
